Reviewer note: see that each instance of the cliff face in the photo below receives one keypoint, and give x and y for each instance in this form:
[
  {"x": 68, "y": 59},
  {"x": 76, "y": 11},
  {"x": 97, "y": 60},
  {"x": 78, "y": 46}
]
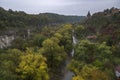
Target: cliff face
[{"x": 6, "y": 40}]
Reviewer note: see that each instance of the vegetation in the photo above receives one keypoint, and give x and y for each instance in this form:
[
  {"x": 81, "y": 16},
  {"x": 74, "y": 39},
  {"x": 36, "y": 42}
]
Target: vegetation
[
  {"x": 16, "y": 65},
  {"x": 32, "y": 66},
  {"x": 98, "y": 56},
  {"x": 42, "y": 54},
  {"x": 40, "y": 57},
  {"x": 18, "y": 19},
  {"x": 96, "y": 53},
  {"x": 91, "y": 73}
]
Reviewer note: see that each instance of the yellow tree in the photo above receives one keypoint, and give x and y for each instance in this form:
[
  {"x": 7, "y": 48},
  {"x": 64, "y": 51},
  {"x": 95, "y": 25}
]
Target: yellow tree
[
  {"x": 89, "y": 72},
  {"x": 32, "y": 67}
]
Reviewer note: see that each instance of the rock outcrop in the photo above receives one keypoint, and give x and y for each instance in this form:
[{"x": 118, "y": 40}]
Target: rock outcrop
[{"x": 6, "y": 40}]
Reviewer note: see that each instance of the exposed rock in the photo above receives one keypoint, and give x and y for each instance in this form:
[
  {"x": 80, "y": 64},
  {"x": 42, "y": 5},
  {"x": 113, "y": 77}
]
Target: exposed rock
[{"x": 6, "y": 40}]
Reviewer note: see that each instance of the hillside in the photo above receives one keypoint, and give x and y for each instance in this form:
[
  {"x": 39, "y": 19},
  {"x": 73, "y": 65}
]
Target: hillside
[
  {"x": 101, "y": 20},
  {"x": 19, "y": 19},
  {"x": 97, "y": 52},
  {"x": 106, "y": 25}
]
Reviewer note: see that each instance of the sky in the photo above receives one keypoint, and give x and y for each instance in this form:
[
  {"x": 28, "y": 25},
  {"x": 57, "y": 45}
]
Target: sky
[{"x": 65, "y": 7}]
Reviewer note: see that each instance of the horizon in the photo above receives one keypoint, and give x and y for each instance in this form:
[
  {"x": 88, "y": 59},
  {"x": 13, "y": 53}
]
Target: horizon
[
  {"x": 62, "y": 7},
  {"x": 57, "y": 13}
]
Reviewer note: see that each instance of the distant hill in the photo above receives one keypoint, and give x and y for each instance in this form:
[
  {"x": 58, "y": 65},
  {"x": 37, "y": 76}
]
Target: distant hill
[{"x": 19, "y": 19}]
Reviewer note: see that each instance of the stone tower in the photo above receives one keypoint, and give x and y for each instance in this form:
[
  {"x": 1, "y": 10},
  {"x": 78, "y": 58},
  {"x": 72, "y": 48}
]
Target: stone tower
[{"x": 89, "y": 14}]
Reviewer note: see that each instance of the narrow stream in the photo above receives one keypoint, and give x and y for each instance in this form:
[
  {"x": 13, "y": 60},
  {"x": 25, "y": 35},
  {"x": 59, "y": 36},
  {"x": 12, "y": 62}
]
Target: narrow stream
[{"x": 69, "y": 74}]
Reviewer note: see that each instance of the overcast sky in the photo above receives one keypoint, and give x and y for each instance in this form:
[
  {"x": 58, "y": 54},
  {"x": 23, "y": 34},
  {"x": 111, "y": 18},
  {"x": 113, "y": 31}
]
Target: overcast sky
[{"x": 66, "y": 7}]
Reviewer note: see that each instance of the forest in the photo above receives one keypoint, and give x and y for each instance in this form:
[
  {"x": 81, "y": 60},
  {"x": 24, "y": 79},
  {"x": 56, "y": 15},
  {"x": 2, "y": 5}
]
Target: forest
[
  {"x": 10, "y": 19},
  {"x": 87, "y": 46}
]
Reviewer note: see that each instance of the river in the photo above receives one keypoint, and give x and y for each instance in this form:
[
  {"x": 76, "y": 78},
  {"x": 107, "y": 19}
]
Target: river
[{"x": 68, "y": 74}]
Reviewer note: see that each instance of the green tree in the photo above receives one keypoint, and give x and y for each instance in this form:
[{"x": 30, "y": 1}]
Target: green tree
[
  {"x": 38, "y": 39},
  {"x": 89, "y": 52},
  {"x": 91, "y": 61},
  {"x": 8, "y": 63},
  {"x": 66, "y": 41},
  {"x": 80, "y": 31},
  {"x": 19, "y": 43},
  {"x": 55, "y": 54}
]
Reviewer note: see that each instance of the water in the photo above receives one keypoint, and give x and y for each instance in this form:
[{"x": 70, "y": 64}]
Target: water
[
  {"x": 74, "y": 43},
  {"x": 74, "y": 40},
  {"x": 69, "y": 74},
  {"x": 72, "y": 53}
]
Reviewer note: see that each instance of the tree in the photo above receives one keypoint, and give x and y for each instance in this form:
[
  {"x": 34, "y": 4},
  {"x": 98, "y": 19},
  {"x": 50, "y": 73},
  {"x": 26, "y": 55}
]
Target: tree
[
  {"x": 55, "y": 48},
  {"x": 38, "y": 39},
  {"x": 91, "y": 61},
  {"x": 58, "y": 35},
  {"x": 66, "y": 41},
  {"x": 80, "y": 31},
  {"x": 89, "y": 52},
  {"x": 32, "y": 67},
  {"x": 89, "y": 72},
  {"x": 22, "y": 44},
  {"x": 8, "y": 63},
  {"x": 78, "y": 78},
  {"x": 55, "y": 54}
]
